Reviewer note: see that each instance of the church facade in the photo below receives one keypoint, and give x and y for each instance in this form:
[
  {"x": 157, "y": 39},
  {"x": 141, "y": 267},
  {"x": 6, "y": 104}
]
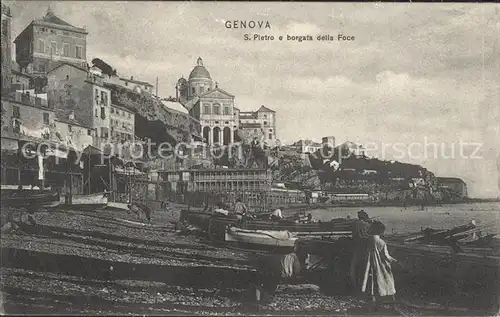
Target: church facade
[{"x": 211, "y": 105}]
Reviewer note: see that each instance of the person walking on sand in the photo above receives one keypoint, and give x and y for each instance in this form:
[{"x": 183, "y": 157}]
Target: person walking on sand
[
  {"x": 360, "y": 236},
  {"x": 378, "y": 280}
]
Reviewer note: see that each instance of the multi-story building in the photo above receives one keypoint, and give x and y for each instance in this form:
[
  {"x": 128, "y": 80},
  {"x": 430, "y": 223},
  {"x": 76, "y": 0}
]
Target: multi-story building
[
  {"x": 47, "y": 40},
  {"x": 307, "y": 146},
  {"x": 209, "y": 104},
  {"x": 72, "y": 133},
  {"x": 136, "y": 85},
  {"x": 218, "y": 180},
  {"x": 72, "y": 89},
  {"x": 25, "y": 117},
  {"x": 122, "y": 123},
  {"x": 260, "y": 123},
  {"x": 353, "y": 148},
  {"x": 21, "y": 81},
  {"x": 6, "y": 49}
]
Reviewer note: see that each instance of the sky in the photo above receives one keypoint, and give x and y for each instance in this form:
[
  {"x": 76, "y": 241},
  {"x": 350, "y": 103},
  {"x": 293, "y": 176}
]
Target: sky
[{"x": 419, "y": 83}]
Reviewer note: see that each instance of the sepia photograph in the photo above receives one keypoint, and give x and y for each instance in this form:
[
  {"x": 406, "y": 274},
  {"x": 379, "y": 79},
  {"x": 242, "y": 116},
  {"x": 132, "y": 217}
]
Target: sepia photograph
[{"x": 250, "y": 158}]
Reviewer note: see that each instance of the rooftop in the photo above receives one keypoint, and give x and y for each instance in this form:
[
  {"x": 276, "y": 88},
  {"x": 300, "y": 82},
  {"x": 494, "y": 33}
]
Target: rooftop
[
  {"x": 53, "y": 19},
  {"x": 265, "y": 109}
]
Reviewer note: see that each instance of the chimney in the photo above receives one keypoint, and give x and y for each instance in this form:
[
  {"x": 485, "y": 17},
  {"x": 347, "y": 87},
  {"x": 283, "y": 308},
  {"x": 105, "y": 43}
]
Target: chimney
[{"x": 72, "y": 115}]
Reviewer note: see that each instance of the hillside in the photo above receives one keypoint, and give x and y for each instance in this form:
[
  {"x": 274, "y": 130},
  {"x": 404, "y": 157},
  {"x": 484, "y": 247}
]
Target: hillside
[{"x": 153, "y": 119}]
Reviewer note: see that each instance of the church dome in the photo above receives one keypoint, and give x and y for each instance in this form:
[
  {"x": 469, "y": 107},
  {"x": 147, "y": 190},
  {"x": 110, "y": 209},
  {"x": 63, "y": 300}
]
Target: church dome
[{"x": 199, "y": 71}]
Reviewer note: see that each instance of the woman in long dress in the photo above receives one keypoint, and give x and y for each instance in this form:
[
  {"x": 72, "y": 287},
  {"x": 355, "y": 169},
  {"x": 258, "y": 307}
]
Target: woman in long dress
[{"x": 378, "y": 280}]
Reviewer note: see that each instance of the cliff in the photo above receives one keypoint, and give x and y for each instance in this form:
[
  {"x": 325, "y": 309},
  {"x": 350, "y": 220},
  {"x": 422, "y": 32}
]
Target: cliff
[{"x": 153, "y": 119}]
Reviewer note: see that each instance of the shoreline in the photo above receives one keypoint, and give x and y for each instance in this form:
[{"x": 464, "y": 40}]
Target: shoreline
[{"x": 313, "y": 206}]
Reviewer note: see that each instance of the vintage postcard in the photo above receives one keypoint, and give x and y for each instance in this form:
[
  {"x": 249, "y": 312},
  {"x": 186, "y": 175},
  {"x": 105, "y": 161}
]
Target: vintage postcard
[{"x": 270, "y": 158}]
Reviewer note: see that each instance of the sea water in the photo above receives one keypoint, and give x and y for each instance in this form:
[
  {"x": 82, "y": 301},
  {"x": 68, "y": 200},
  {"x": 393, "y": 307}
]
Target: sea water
[{"x": 413, "y": 218}]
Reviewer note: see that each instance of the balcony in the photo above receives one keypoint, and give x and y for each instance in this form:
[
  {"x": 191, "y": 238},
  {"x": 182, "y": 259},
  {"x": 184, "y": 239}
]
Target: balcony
[{"x": 27, "y": 98}]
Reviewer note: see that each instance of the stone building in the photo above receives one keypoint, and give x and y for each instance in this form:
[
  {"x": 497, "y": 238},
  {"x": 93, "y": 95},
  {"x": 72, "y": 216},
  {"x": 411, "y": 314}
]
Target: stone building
[
  {"x": 50, "y": 39},
  {"x": 122, "y": 123},
  {"x": 6, "y": 48},
  {"x": 306, "y": 146},
  {"x": 136, "y": 85},
  {"x": 71, "y": 89},
  {"x": 20, "y": 80},
  {"x": 209, "y": 104},
  {"x": 25, "y": 117},
  {"x": 260, "y": 123},
  {"x": 73, "y": 133}
]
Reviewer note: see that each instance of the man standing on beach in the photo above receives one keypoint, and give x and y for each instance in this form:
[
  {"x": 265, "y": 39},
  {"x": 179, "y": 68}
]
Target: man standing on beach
[
  {"x": 360, "y": 236},
  {"x": 240, "y": 208}
]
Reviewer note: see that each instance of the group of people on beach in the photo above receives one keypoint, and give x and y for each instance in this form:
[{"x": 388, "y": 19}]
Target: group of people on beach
[{"x": 370, "y": 268}]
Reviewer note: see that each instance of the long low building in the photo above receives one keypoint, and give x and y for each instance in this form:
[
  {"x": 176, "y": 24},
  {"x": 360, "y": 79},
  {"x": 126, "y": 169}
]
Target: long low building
[{"x": 217, "y": 180}]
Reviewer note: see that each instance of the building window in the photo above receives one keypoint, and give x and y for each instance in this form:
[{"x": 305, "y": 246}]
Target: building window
[
  {"x": 40, "y": 68},
  {"x": 53, "y": 48},
  {"x": 112, "y": 110},
  {"x": 96, "y": 113},
  {"x": 40, "y": 46},
  {"x": 227, "y": 111},
  {"x": 202, "y": 89},
  {"x": 270, "y": 136},
  {"x": 66, "y": 33},
  {"x": 103, "y": 113},
  {"x": 206, "y": 109},
  {"x": 129, "y": 116},
  {"x": 89, "y": 132},
  {"x": 66, "y": 49},
  {"x": 17, "y": 126},
  {"x": 45, "y": 118},
  {"x": 265, "y": 116},
  {"x": 53, "y": 31},
  {"x": 104, "y": 98},
  {"x": 79, "y": 52},
  {"x": 16, "y": 112},
  {"x": 4, "y": 27},
  {"x": 216, "y": 109},
  {"x": 265, "y": 122},
  {"x": 70, "y": 128},
  {"x": 193, "y": 91},
  {"x": 104, "y": 132},
  {"x": 270, "y": 130}
]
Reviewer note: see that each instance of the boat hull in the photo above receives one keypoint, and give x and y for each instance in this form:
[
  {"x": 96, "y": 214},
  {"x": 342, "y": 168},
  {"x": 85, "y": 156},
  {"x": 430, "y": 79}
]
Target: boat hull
[
  {"x": 280, "y": 239},
  {"x": 27, "y": 198},
  {"x": 117, "y": 206},
  {"x": 215, "y": 224},
  {"x": 91, "y": 201}
]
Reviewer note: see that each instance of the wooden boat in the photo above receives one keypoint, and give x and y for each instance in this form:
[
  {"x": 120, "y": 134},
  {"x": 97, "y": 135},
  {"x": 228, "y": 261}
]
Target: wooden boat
[
  {"x": 23, "y": 198},
  {"x": 91, "y": 201},
  {"x": 216, "y": 224},
  {"x": 117, "y": 206},
  {"x": 281, "y": 239}
]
